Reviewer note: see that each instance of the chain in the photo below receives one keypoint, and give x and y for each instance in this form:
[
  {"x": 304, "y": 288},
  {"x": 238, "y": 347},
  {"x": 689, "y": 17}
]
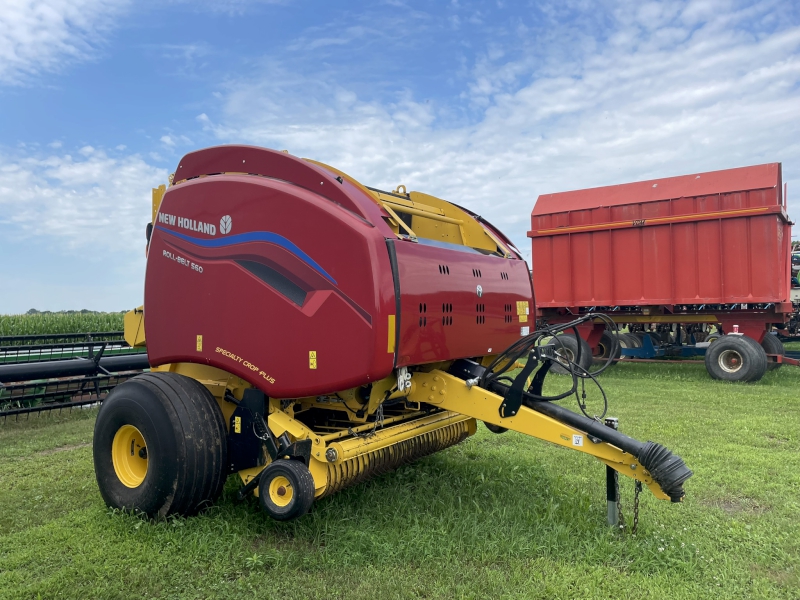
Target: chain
[
  {"x": 378, "y": 423},
  {"x": 620, "y": 518},
  {"x": 636, "y": 493}
]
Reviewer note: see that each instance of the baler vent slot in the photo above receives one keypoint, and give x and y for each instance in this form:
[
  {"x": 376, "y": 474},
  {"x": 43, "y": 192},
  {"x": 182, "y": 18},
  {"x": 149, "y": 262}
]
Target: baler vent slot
[
  {"x": 476, "y": 273},
  {"x": 423, "y": 317},
  {"x": 447, "y": 319},
  {"x": 509, "y": 315},
  {"x": 504, "y": 275},
  {"x": 444, "y": 270},
  {"x": 280, "y": 283},
  {"x": 480, "y": 318}
]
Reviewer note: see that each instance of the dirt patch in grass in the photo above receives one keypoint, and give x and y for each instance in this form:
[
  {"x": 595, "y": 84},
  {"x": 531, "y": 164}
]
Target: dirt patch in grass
[
  {"x": 785, "y": 577},
  {"x": 735, "y": 506},
  {"x": 63, "y": 449}
]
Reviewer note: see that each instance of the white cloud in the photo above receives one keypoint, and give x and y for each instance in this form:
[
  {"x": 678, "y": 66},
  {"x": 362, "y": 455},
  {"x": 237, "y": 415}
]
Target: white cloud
[
  {"x": 44, "y": 35},
  {"x": 171, "y": 140},
  {"x": 231, "y": 7},
  {"x": 93, "y": 201},
  {"x": 673, "y": 88}
]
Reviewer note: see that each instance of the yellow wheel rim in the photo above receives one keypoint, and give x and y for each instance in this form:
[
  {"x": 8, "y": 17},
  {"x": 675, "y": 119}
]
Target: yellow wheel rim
[
  {"x": 280, "y": 491},
  {"x": 129, "y": 455}
]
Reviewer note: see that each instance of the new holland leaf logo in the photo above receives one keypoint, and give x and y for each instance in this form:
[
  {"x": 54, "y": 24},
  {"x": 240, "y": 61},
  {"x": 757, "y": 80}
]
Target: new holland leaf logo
[{"x": 225, "y": 224}]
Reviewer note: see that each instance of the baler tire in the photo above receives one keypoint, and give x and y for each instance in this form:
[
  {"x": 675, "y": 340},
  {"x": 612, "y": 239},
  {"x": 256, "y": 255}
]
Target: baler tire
[
  {"x": 606, "y": 343},
  {"x": 712, "y": 337},
  {"x": 772, "y": 345},
  {"x": 723, "y": 355},
  {"x": 567, "y": 340},
  {"x": 495, "y": 428},
  {"x": 285, "y": 473},
  {"x": 181, "y": 429}
]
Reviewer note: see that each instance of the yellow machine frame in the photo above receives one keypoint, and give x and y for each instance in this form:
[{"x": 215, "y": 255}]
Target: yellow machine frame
[{"x": 343, "y": 457}]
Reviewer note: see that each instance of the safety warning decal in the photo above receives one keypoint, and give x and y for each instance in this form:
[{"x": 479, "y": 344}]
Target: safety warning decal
[{"x": 577, "y": 440}]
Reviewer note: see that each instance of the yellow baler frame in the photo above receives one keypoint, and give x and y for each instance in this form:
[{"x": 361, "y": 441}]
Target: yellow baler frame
[
  {"x": 459, "y": 405},
  {"x": 359, "y": 450}
]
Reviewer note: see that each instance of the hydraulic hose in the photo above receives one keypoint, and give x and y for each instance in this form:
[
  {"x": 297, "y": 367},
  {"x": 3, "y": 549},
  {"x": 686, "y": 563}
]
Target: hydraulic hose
[{"x": 667, "y": 469}]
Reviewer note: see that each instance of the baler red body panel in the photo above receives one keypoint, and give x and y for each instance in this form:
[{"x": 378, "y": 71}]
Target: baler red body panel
[
  {"x": 711, "y": 238},
  {"x": 294, "y": 288},
  {"x": 442, "y": 313}
]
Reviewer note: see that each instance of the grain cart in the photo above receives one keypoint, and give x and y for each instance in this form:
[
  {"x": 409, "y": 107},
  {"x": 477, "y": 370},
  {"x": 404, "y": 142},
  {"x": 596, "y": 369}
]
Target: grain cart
[
  {"x": 673, "y": 255},
  {"x": 306, "y": 333}
]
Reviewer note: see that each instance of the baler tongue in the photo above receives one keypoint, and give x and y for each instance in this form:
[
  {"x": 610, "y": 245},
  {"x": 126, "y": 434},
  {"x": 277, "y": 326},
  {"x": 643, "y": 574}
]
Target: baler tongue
[
  {"x": 667, "y": 470},
  {"x": 652, "y": 464}
]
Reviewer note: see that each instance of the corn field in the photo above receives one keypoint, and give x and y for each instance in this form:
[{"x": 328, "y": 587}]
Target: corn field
[{"x": 72, "y": 322}]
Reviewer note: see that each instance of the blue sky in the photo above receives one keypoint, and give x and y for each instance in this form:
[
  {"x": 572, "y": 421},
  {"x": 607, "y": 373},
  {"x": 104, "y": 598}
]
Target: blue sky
[{"x": 488, "y": 104}]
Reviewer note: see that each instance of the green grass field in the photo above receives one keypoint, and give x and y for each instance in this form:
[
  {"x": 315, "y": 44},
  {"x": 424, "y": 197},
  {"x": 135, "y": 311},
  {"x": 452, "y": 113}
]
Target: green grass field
[{"x": 497, "y": 516}]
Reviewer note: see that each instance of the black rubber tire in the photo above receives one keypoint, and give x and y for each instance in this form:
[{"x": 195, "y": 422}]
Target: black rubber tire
[
  {"x": 712, "y": 337},
  {"x": 750, "y": 355},
  {"x": 607, "y": 342},
  {"x": 772, "y": 345},
  {"x": 301, "y": 481},
  {"x": 653, "y": 338},
  {"x": 570, "y": 345},
  {"x": 185, "y": 437},
  {"x": 495, "y": 428},
  {"x": 624, "y": 342},
  {"x": 634, "y": 341}
]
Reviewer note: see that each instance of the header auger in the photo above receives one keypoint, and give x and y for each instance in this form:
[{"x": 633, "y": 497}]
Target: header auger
[{"x": 307, "y": 332}]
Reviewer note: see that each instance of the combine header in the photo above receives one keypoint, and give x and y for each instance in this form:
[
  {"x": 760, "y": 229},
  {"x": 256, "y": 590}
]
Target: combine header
[{"x": 307, "y": 333}]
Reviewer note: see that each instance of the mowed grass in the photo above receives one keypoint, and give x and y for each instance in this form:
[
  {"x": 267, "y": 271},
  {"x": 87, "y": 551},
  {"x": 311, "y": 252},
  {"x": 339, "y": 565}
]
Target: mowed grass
[{"x": 496, "y": 516}]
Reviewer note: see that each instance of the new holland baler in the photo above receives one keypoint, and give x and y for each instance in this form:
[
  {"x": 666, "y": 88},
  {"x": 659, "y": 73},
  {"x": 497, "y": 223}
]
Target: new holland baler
[{"x": 307, "y": 332}]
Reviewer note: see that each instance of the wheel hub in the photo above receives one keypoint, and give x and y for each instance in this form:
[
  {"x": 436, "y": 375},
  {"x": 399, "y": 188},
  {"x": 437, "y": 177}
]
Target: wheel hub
[
  {"x": 280, "y": 491},
  {"x": 129, "y": 455},
  {"x": 730, "y": 361}
]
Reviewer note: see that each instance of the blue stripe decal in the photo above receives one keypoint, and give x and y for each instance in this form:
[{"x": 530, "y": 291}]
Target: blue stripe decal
[{"x": 253, "y": 236}]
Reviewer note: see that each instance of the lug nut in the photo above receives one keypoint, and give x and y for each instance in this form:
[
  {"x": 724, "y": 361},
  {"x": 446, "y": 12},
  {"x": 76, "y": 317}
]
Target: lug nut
[{"x": 331, "y": 454}]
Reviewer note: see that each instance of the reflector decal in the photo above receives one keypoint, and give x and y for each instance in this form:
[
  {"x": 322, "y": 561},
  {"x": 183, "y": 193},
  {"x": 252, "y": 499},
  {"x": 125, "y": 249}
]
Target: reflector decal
[{"x": 390, "y": 347}]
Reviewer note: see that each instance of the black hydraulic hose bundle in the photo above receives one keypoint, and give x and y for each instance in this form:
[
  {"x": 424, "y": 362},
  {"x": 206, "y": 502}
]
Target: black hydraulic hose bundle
[
  {"x": 530, "y": 347},
  {"x": 666, "y": 468}
]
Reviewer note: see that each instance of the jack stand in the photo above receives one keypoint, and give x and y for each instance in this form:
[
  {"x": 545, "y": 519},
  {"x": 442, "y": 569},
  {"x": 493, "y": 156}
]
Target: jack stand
[{"x": 612, "y": 483}]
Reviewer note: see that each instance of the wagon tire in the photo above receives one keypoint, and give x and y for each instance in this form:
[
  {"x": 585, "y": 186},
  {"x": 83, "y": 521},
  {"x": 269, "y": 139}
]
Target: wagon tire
[
  {"x": 772, "y": 345},
  {"x": 634, "y": 341},
  {"x": 653, "y": 338},
  {"x": 736, "y": 358},
  {"x": 566, "y": 343},
  {"x": 286, "y": 489},
  {"x": 160, "y": 446},
  {"x": 608, "y": 343}
]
